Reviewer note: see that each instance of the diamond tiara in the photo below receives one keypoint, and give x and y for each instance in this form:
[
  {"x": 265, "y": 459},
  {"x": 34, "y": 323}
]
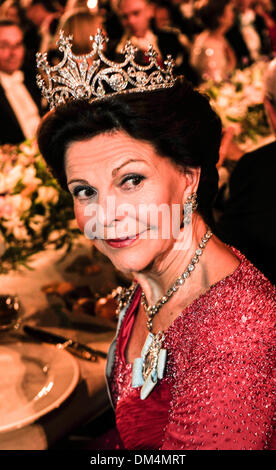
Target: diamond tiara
[{"x": 75, "y": 78}]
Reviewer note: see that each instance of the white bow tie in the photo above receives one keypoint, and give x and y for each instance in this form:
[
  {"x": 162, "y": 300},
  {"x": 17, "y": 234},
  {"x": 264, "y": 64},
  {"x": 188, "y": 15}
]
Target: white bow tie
[{"x": 16, "y": 77}]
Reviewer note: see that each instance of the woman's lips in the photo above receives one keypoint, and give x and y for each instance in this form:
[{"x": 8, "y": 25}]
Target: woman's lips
[{"x": 122, "y": 242}]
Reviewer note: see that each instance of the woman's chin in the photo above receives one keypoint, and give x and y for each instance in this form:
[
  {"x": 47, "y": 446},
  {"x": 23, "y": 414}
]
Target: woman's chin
[
  {"x": 129, "y": 268},
  {"x": 133, "y": 259},
  {"x": 129, "y": 263}
]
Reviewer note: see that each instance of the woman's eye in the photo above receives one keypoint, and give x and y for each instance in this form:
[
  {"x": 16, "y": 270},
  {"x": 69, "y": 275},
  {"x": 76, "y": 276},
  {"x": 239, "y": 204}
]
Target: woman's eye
[
  {"x": 131, "y": 181},
  {"x": 83, "y": 192}
]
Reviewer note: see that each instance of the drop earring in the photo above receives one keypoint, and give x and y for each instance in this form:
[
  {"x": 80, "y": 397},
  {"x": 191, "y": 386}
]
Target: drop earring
[{"x": 190, "y": 206}]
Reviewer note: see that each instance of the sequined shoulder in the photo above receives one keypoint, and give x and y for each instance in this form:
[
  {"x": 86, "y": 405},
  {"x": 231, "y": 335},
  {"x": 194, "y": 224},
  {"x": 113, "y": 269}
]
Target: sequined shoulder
[{"x": 221, "y": 357}]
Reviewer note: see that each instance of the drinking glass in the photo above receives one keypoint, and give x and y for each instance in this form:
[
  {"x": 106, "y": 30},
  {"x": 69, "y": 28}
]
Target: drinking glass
[{"x": 10, "y": 312}]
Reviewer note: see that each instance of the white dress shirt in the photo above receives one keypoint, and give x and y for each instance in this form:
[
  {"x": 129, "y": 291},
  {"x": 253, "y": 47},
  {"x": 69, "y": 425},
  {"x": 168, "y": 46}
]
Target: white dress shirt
[
  {"x": 21, "y": 102},
  {"x": 250, "y": 34}
]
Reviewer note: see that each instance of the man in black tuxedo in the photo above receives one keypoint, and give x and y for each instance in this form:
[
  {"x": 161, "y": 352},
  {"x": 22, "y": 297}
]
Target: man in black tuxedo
[
  {"x": 248, "y": 216},
  {"x": 242, "y": 39},
  {"x": 44, "y": 15},
  {"x": 20, "y": 99},
  {"x": 136, "y": 16}
]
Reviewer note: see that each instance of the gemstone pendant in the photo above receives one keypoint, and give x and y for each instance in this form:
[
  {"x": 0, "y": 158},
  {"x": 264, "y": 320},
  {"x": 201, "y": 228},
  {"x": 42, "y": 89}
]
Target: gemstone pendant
[{"x": 150, "y": 367}]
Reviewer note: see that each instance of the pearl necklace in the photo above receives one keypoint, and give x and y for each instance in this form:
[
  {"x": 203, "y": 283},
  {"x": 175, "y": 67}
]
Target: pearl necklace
[{"x": 150, "y": 367}]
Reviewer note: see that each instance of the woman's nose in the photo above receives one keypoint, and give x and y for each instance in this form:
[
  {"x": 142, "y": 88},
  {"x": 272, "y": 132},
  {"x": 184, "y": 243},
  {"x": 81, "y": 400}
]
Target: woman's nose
[
  {"x": 104, "y": 214},
  {"x": 108, "y": 211},
  {"x": 118, "y": 218}
]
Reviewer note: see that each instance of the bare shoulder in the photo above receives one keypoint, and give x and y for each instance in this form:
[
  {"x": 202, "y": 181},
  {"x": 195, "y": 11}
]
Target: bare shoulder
[{"x": 221, "y": 260}]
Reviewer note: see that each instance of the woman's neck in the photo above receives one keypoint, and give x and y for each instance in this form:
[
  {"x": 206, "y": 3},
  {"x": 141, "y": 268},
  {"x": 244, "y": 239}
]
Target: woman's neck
[
  {"x": 165, "y": 270},
  {"x": 218, "y": 33}
]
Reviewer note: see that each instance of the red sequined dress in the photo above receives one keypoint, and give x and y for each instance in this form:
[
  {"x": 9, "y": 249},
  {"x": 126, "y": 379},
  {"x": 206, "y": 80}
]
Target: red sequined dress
[{"x": 218, "y": 391}]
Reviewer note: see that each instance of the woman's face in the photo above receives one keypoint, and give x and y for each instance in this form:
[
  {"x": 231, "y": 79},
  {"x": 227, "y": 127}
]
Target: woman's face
[{"x": 126, "y": 197}]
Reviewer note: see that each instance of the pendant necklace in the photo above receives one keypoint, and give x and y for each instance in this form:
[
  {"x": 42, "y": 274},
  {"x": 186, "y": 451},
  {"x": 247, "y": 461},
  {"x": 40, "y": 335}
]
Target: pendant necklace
[{"x": 150, "y": 367}]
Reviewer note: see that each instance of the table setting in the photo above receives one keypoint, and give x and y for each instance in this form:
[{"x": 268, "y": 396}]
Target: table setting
[
  {"x": 53, "y": 344},
  {"x": 41, "y": 384}
]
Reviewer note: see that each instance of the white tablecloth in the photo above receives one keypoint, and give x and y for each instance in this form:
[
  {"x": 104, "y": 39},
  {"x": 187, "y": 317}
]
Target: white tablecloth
[{"x": 90, "y": 397}]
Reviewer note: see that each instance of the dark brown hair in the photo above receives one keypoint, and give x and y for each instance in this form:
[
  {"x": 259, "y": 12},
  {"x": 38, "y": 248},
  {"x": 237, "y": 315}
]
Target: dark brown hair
[{"x": 211, "y": 12}]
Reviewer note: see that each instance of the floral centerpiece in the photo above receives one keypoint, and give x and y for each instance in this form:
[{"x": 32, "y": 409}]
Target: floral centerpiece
[
  {"x": 34, "y": 212},
  {"x": 239, "y": 103}
]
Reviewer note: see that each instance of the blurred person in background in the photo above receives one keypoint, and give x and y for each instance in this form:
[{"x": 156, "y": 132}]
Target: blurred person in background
[
  {"x": 105, "y": 8},
  {"x": 113, "y": 25},
  {"x": 162, "y": 15},
  {"x": 163, "y": 20},
  {"x": 183, "y": 16},
  {"x": 245, "y": 220},
  {"x": 20, "y": 102},
  {"x": 266, "y": 10},
  {"x": 211, "y": 54},
  {"x": 45, "y": 16},
  {"x": 14, "y": 11},
  {"x": 248, "y": 35},
  {"x": 81, "y": 23},
  {"x": 136, "y": 17}
]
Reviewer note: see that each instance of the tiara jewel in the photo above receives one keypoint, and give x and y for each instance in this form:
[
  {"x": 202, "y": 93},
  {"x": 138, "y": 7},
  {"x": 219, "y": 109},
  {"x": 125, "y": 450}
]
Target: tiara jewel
[{"x": 93, "y": 76}]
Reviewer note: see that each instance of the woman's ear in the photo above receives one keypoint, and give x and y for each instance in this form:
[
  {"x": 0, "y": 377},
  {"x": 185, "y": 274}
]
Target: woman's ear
[{"x": 192, "y": 177}]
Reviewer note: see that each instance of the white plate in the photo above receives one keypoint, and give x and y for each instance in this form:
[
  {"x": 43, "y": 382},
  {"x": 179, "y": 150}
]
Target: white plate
[{"x": 34, "y": 380}]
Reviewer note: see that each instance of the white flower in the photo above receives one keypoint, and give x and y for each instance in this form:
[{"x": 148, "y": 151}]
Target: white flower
[
  {"x": 222, "y": 102},
  {"x": 29, "y": 177},
  {"x": 3, "y": 187},
  {"x": 227, "y": 90},
  {"x": 29, "y": 150},
  {"x": 6, "y": 209},
  {"x": 20, "y": 232},
  {"x": 47, "y": 194},
  {"x": 19, "y": 184},
  {"x": 240, "y": 77},
  {"x": 253, "y": 95},
  {"x": 237, "y": 110},
  {"x": 9, "y": 180},
  {"x": 16, "y": 227},
  {"x": 19, "y": 203}
]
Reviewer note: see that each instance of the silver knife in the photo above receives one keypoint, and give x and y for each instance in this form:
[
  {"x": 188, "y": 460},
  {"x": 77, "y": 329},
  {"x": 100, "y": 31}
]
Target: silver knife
[{"x": 79, "y": 349}]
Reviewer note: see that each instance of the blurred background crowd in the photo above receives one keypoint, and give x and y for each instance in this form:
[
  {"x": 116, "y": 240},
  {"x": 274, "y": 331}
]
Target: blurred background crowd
[
  {"x": 209, "y": 34},
  {"x": 208, "y": 39}
]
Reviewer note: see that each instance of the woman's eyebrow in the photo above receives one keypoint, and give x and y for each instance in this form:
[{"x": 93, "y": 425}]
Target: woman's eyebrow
[
  {"x": 115, "y": 171},
  {"x": 78, "y": 181}
]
